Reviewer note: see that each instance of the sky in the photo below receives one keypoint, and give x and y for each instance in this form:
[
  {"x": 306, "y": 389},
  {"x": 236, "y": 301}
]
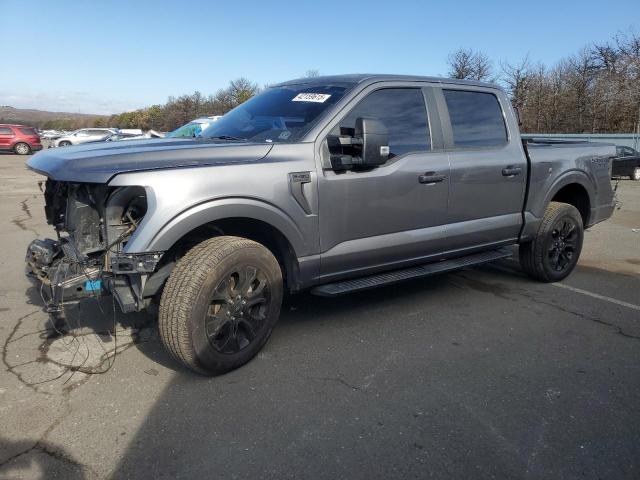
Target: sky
[{"x": 112, "y": 56}]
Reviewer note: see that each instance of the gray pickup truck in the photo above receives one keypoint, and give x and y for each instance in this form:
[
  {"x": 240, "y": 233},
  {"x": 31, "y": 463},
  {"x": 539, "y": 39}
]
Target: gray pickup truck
[{"x": 328, "y": 184}]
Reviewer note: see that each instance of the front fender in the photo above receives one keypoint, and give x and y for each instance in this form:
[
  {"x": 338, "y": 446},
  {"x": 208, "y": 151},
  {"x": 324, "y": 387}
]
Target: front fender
[{"x": 218, "y": 209}]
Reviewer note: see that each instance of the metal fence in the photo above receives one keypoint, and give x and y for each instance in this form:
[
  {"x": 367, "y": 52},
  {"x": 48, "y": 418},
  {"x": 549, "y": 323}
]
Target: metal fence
[{"x": 621, "y": 139}]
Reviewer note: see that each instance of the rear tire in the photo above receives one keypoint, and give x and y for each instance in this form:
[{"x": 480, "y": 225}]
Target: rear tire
[
  {"x": 22, "y": 148},
  {"x": 220, "y": 304},
  {"x": 554, "y": 252},
  {"x": 635, "y": 175},
  {"x": 64, "y": 143}
]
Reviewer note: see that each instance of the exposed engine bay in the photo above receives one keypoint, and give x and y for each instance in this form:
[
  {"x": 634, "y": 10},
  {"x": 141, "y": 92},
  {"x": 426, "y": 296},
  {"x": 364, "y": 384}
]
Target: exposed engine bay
[{"x": 93, "y": 223}]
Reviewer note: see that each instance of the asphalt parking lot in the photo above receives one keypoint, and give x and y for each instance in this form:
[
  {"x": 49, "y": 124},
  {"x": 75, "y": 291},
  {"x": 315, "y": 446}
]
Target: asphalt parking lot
[{"x": 478, "y": 374}]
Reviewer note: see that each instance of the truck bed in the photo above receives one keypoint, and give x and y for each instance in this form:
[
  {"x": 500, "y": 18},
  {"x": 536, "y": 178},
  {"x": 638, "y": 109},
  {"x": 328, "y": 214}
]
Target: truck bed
[{"x": 553, "y": 162}]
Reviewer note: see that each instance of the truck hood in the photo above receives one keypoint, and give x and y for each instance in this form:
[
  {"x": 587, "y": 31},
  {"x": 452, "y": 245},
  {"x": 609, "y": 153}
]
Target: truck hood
[{"x": 98, "y": 163}]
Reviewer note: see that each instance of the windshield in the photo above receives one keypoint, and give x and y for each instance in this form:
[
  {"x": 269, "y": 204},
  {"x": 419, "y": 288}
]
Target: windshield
[{"x": 280, "y": 114}]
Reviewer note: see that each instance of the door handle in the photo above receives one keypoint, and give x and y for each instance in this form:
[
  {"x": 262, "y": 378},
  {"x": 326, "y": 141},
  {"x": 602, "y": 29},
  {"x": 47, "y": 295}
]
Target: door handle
[
  {"x": 431, "y": 177},
  {"x": 511, "y": 171}
]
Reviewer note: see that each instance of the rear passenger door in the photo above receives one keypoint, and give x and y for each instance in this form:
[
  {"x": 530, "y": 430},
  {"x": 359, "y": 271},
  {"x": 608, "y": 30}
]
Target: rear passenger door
[{"x": 488, "y": 167}]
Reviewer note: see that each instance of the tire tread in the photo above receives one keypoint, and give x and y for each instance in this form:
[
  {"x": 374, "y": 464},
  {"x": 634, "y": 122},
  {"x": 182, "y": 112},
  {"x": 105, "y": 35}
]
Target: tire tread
[
  {"x": 182, "y": 289},
  {"x": 531, "y": 253}
]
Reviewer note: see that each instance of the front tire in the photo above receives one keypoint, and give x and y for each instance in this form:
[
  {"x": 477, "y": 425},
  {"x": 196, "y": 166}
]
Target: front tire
[
  {"x": 554, "y": 252},
  {"x": 22, "y": 148},
  {"x": 635, "y": 175},
  {"x": 64, "y": 143},
  {"x": 220, "y": 304}
]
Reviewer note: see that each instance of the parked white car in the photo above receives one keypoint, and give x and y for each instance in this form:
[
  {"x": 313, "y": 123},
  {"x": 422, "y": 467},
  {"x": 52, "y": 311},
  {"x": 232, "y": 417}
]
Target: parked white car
[
  {"x": 83, "y": 135},
  {"x": 51, "y": 134},
  {"x": 122, "y": 135}
]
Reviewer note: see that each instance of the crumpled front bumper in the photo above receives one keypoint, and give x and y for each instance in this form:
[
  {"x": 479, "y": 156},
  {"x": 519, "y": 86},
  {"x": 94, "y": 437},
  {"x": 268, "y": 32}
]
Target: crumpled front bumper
[
  {"x": 64, "y": 276},
  {"x": 59, "y": 275}
]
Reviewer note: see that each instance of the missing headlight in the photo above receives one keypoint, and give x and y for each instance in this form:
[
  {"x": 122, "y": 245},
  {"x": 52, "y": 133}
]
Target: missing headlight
[{"x": 125, "y": 209}]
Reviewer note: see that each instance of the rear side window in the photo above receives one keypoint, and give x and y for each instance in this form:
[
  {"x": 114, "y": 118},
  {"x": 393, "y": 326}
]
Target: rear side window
[
  {"x": 28, "y": 131},
  {"x": 6, "y": 131},
  {"x": 403, "y": 112},
  {"x": 476, "y": 119}
]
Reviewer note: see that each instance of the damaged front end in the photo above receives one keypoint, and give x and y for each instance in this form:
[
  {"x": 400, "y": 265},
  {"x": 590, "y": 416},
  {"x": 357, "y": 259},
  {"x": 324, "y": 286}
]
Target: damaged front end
[{"x": 93, "y": 223}]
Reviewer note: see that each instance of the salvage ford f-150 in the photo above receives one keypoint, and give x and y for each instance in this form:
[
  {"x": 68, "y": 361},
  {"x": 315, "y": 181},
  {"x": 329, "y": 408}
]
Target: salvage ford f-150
[{"x": 329, "y": 184}]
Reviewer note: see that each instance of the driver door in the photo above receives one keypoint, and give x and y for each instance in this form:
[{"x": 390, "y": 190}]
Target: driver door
[{"x": 385, "y": 217}]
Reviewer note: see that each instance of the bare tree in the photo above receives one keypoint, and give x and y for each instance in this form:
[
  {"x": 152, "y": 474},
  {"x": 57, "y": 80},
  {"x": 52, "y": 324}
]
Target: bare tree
[
  {"x": 461, "y": 64},
  {"x": 517, "y": 77},
  {"x": 242, "y": 90},
  {"x": 482, "y": 67},
  {"x": 466, "y": 63}
]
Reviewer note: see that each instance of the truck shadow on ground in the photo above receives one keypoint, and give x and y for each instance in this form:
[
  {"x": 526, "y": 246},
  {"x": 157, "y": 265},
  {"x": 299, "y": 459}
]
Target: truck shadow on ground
[
  {"x": 407, "y": 368},
  {"x": 106, "y": 332},
  {"x": 397, "y": 382},
  {"x": 503, "y": 279}
]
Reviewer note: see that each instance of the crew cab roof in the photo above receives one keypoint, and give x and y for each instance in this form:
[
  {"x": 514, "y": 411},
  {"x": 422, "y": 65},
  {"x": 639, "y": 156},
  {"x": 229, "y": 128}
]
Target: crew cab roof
[{"x": 353, "y": 79}]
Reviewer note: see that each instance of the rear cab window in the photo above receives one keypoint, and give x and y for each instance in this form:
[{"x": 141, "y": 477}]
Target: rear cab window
[{"x": 477, "y": 119}]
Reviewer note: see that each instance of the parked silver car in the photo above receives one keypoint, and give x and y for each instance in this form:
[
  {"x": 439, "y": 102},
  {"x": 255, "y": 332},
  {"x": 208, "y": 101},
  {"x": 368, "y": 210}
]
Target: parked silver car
[{"x": 83, "y": 135}]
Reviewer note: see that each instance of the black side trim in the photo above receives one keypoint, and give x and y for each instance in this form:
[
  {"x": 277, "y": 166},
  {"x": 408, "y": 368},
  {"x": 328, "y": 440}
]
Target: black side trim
[{"x": 387, "y": 278}]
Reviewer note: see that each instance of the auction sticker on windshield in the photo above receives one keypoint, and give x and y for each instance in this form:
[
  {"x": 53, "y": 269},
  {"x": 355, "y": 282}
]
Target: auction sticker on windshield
[{"x": 311, "y": 97}]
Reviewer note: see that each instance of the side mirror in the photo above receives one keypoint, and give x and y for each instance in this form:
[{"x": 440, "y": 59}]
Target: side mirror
[
  {"x": 366, "y": 145},
  {"x": 375, "y": 141}
]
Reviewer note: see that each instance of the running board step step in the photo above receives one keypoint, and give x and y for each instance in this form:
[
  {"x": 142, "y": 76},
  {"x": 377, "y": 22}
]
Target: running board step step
[{"x": 387, "y": 278}]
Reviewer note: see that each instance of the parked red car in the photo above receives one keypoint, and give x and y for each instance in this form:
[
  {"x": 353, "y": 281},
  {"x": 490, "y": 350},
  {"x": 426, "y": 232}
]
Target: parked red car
[{"x": 20, "y": 139}]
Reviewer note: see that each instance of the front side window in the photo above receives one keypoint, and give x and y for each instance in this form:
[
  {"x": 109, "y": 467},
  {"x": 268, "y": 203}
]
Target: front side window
[
  {"x": 476, "y": 119},
  {"x": 6, "y": 131},
  {"x": 403, "y": 112},
  {"x": 279, "y": 114}
]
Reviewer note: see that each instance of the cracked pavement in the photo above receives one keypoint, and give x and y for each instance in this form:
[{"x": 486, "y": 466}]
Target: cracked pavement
[{"x": 476, "y": 374}]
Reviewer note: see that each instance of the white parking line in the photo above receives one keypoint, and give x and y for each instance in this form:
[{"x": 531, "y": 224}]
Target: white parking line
[{"x": 599, "y": 297}]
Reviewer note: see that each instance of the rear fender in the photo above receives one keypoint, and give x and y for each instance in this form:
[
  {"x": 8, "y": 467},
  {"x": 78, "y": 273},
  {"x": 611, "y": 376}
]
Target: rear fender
[{"x": 537, "y": 204}]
